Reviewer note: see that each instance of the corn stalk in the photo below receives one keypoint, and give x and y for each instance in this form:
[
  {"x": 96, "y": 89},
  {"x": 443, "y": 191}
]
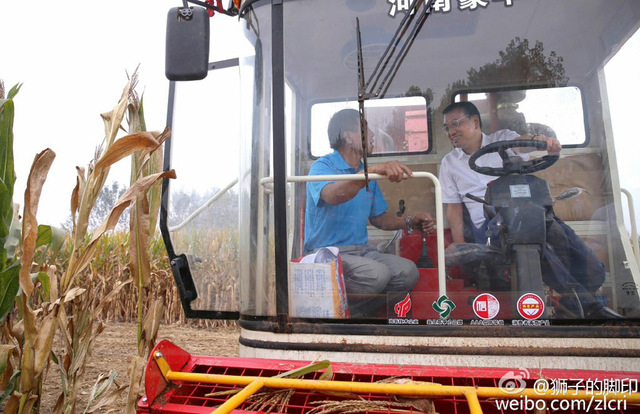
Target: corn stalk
[
  {"x": 78, "y": 318},
  {"x": 32, "y": 336},
  {"x": 143, "y": 219},
  {"x": 144, "y": 213}
]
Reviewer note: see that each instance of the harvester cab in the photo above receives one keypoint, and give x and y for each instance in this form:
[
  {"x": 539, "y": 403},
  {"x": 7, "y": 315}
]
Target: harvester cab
[{"x": 236, "y": 222}]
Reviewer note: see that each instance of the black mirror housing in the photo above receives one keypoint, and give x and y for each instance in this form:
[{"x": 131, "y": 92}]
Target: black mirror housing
[{"x": 187, "y": 44}]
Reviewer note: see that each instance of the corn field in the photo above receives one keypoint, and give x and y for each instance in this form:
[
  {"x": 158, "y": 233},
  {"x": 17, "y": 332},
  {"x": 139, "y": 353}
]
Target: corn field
[
  {"x": 62, "y": 288},
  {"x": 218, "y": 253}
]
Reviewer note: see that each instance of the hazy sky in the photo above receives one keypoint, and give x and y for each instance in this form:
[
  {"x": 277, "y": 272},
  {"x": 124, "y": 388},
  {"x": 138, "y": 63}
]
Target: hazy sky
[{"x": 72, "y": 58}]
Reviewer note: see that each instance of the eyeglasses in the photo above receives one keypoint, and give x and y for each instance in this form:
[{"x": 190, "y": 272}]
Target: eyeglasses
[{"x": 455, "y": 123}]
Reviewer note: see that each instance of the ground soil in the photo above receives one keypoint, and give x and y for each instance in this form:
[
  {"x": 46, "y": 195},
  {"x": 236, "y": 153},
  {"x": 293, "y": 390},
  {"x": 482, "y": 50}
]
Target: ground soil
[{"x": 115, "y": 347}]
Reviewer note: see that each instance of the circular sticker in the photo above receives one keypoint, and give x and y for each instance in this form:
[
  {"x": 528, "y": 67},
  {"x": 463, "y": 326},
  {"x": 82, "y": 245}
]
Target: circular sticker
[
  {"x": 530, "y": 306},
  {"x": 486, "y": 306}
]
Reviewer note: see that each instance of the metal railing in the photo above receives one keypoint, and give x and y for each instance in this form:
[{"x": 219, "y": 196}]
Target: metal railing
[
  {"x": 204, "y": 206},
  {"x": 442, "y": 279}
]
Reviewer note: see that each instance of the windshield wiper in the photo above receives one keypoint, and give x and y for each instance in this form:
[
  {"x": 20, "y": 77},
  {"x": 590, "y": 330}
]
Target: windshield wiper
[{"x": 366, "y": 88}]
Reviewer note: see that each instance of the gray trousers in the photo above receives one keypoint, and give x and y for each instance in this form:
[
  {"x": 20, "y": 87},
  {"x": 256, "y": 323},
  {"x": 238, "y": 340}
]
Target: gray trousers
[{"x": 369, "y": 275}]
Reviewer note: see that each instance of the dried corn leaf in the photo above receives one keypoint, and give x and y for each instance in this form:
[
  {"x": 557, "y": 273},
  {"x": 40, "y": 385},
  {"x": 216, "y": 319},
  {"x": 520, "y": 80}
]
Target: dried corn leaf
[
  {"x": 44, "y": 341},
  {"x": 149, "y": 156},
  {"x": 350, "y": 406},
  {"x": 102, "y": 397},
  {"x": 96, "y": 179},
  {"x": 64, "y": 322},
  {"x": 112, "y": 294},
  {"x": 418, "y": 402},
  {"x": 13, "y": 403},
  {"x": 6, "y": 369},
  {"x": 126, "y": 146},
  {"x": 17, "y": 331},
  {"x": 112, "y": 219},
  {"x": 113, "y": 118},
  {"x": 72, "y": 294},
  {"x": 136, "y": 368},
  {"x": 53, "y": 283},
  {"x": 425, "y": 405},
  {"x": 37, "y": 177}
]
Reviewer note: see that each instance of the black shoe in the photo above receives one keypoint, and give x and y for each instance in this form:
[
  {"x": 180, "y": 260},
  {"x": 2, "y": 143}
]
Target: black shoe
[{"x": 602, "y": 313}]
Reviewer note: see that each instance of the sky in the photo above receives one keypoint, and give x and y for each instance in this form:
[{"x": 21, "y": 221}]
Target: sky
[
  {"x": 72, "y": 60},
  {"x": 623, "y": 85}
]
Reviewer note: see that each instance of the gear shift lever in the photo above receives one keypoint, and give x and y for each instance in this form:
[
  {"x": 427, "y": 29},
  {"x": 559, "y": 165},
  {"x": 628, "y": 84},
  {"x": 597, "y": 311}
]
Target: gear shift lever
[{"x": 423, "y": 261}]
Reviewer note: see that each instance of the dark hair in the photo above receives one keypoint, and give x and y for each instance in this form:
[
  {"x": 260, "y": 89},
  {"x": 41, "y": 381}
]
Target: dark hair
[
  {"x": 342, "y": 121},
  {"x": 467, "y": 107}
]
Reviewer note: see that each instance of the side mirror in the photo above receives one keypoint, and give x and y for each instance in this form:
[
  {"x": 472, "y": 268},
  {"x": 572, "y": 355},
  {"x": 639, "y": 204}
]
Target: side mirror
[{"x": 187, "y": 48}]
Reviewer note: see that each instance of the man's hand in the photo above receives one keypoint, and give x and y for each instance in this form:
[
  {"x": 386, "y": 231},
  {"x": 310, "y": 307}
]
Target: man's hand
[
  {"x": 394, "y": 170},
  {"x": 553, "y": 145},
  {"x": 423, "y": 222}
]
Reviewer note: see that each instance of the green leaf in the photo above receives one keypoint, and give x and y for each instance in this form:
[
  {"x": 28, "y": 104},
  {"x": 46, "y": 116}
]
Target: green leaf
[
  {"x": 14, "y": 91},
  {"x": 45, "y": 235},
  {"x": 44, "y": 280},
  {"x": 57, "y": 241},
  {"x": 9, "y": 286},
  {"x": 143, "y": 124},
  {"x": 10, "y": 386},
  {"x": 12, "y": 241},
  {"x": 302, "y": 371},
  {"x": 7, "y": 172}
]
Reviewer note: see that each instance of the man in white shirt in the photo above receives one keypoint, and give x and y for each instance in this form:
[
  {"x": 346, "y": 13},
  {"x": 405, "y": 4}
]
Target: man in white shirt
[{"x": 569, "y": 266}]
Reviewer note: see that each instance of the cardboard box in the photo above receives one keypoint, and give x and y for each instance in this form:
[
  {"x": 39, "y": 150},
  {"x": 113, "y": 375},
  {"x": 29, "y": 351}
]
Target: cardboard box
[{"x": 317, "y": 290}]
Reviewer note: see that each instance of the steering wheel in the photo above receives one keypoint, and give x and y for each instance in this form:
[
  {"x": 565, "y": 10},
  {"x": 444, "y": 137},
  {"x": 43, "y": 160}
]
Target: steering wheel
[{"x": 513, "y": 164}]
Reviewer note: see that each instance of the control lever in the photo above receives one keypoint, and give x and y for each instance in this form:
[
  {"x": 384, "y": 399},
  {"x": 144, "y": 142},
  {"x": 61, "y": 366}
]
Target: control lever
[
  {"x": 423, "y": 261},
  {"x": 486, "y": 208},
  {"x": 401, "y": 208}
]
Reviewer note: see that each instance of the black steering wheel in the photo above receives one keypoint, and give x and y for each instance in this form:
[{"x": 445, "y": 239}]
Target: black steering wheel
[{"x": 513, "y": 164}]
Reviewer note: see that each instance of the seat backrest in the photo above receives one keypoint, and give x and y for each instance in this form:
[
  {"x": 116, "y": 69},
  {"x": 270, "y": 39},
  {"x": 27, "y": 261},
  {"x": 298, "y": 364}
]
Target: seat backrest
[{"x": 583, "y": 171}]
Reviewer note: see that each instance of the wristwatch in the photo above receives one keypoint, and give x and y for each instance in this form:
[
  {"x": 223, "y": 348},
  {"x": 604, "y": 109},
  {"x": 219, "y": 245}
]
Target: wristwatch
[{"x": 407, "y": 224}]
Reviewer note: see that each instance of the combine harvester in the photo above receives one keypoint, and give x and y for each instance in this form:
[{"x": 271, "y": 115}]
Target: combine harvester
[{"x": 482, "y": 330}]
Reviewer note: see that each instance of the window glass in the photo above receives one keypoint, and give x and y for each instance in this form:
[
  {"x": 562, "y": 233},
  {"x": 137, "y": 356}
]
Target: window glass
[
  {"x": 399, "y": 125},
  {"x": 553, "y": 112},
  {"x": 203, "y": 210}
]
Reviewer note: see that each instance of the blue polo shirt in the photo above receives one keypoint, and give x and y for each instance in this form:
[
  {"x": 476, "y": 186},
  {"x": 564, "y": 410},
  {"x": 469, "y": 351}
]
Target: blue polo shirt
[{"x": 344, "y": 224}]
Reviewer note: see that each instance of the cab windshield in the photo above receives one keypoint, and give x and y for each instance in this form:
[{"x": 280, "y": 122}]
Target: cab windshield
[{"x": 542, "y": 241}]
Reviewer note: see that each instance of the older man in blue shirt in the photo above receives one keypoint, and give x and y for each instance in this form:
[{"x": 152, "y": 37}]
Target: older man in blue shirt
[{"x": 337, "y": 214}]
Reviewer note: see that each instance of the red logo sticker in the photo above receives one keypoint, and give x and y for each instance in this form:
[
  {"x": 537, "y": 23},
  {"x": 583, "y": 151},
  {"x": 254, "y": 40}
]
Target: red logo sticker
[
  {"x": 403, "y": 307},
  {"x": 486, "y": 306},
  {"x": 530, "y": 306}
]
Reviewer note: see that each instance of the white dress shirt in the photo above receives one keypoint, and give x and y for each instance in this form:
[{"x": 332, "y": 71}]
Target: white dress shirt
[{"x": 457, "y": 178}]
